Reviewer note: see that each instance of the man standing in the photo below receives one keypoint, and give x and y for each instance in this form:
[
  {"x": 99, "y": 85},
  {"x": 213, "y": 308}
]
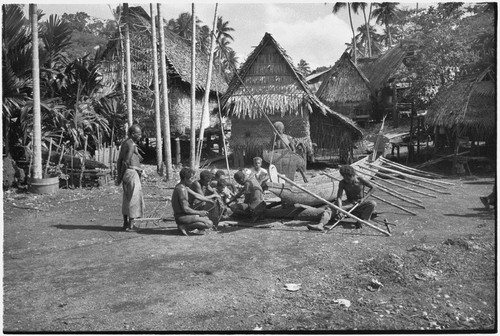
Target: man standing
[{"x": 129, "y": 172}]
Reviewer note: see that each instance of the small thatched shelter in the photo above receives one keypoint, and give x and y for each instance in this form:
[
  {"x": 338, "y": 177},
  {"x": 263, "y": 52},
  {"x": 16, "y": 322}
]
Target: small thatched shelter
[
  {"x": 382, "y": 73},
  {"x": 268, "y": 83},
  {"x": 316, "y": 79},
  {"x": 346, "y": 90},
  {"x": 466, "y": 108},
  {"x": 178, "y": 59}
]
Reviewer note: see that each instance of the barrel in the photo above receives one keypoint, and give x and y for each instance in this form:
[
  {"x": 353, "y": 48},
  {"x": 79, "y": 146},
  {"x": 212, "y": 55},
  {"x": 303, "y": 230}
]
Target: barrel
[{"x": 48, "y": 185}]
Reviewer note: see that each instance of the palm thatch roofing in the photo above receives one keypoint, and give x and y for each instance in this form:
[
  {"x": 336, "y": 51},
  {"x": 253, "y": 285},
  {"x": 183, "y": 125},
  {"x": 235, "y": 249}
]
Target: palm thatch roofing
[
  {"x": 467, "y": 105},
  {"x": 344, "y": 83},
  {"x": 379, "y": 71},
  {"x": 268, "y": 80},
  {"x": 177, "y": 50}
]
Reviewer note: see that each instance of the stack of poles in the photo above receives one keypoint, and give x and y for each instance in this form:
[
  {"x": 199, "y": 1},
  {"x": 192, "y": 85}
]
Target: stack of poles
[{"x": 380, "y": 177}]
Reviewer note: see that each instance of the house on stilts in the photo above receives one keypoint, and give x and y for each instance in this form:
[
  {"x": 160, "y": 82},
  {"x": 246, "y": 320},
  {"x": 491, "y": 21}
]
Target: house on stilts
[
  {"x": 464, "y": 113},
  {"x": 346, "y": 89},
  {"x": 268, "y": 88},
  {"x": 178, "y": 60}
]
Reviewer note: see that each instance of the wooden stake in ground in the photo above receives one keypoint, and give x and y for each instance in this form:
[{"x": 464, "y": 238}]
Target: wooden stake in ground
[
  {"x": 47, "y": 164},
  {"x": 83, "y": 161},
  {"x": 333, "y": 206}
]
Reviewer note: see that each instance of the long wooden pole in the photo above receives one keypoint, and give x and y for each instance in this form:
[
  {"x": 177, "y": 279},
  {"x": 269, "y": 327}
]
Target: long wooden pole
[
  {"x": 333, "y": 206},
  {"x": 428, "y": 163},
  {"x": 128, "y": 65},
  {"x": 192, "y": 156},
  {"x": 397, "y": 206},
  {"x": 397, "y": 195},
  {"x": 223, "y": 137},
  {"x": 164, "y": 86},
  {"x": 405, "y": 181},
  {"x": 204, "y": 111},
  {"x": 417, "y": 178},
  {"x": 409, "y": 169},
  {"x": 156, "y": 85},
  {"x": 394, "y": 205}
]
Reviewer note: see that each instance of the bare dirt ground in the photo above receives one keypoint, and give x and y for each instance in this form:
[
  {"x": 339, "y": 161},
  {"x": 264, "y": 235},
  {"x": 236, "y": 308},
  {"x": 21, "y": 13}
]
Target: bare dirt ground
[{"x": 68, "y": 267}]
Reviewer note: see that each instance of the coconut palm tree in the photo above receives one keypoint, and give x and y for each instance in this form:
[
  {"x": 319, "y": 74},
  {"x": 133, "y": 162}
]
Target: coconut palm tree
[
  {"x": 336, "y": 8},
  {"x": 362, "y": 40},
  {"x": 37, "y": 119},
  {"x": 384, "y": 13},
  {"x": 304, "y": 67},
  {"x": 356, "y": 6}
]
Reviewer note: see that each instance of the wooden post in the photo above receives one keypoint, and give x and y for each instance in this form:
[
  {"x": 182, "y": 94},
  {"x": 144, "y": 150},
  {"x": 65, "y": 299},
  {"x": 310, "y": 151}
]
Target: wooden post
[
  {"x": 156, "y": 88},
  {"x": 192, "y": 155},
  {"x": 177, "y": 150},
  {"x": 47, "y": 164},
  {"x": 83, "y": 161},
  {"x": 333, "y": 206},
  {"x": 128, "y": 65}
]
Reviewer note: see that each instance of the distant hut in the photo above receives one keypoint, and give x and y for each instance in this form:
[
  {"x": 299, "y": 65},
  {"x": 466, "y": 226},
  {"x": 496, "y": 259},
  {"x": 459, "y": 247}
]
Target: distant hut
[
  {"x": 316, "y": 79},
  {"x": 382, "y": 73},
  {"x": 465, "y": 110},
  {"x": 269, "y": 88},
  {"x": 346, "y": 90},
  {"x": 178, "y": 59}
]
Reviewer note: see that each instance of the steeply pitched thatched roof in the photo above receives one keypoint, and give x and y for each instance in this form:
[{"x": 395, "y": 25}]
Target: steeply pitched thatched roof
[
  {"x": 380, "y": 70},
  {"x": 468, "y": 104},
  {"x": 272, "y": 82},
  {"x": 343, "y": 90},
  {"x": 177, "y": 50}
]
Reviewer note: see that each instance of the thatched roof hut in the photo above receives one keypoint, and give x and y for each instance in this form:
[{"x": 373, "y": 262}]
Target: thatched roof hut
[
  {"x": 467, "y": 106},
  {"x": 268, "y": 83},
  {"x": 316, "y": 79},
  {"x": 346, "y": 90},
  {"x": 178, "y": 58}
]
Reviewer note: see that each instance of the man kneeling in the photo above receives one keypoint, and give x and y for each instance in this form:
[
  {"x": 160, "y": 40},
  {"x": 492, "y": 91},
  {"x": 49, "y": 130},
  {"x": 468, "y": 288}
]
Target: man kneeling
[{"x": 187, "y": 218}]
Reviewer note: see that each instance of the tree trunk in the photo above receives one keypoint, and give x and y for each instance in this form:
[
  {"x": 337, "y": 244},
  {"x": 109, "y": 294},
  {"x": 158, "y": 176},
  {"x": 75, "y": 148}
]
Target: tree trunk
[
  {"x": 367, "y": 26},
  {"x": 204, "y": 112},
  {"x": 353, "y": 34},
  {"x": 128, "y": 65},
  {"x": 166, "y": 114},
  {"x": 192, "y": 158},
  {"x": 159, "y": 156},
  {"x": 37, "y": 118}
]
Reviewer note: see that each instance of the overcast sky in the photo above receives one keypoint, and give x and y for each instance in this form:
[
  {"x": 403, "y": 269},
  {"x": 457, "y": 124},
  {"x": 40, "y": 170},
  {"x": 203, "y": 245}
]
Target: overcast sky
[{"x": 306, "y": 30}]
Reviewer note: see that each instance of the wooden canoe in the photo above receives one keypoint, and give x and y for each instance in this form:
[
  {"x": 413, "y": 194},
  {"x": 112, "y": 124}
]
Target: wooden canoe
[{"x": 324, "y": 187}]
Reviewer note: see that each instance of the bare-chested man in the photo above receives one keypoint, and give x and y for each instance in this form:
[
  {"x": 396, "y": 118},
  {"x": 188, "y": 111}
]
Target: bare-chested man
[{"x": 186, "y": 217}]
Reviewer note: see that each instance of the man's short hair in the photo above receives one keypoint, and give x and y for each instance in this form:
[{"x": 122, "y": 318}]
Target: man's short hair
[
  {"x": 133, "y": 129},
  {"x": 206, "y": 175},
  {"x": 239, "y": 177},
  {"x": 219, "y": 173},
  {"x": 257, "y": 158},
  {"x": 347, "y": 170},
  {"x": 186, "y": 173}
]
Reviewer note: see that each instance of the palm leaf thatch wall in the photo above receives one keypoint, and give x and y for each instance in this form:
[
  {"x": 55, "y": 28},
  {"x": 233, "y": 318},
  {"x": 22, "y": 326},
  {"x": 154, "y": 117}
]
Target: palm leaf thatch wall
[
  {"x": 269, "y": 83},
  {"x": 467, "y": 107},
  {"x": 178, "y": 59},
  {"x": 346, "y": 90}
]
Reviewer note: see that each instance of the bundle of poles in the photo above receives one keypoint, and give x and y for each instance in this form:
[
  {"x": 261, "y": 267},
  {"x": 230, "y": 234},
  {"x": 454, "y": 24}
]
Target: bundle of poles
[{"x": 410, "y": 179}]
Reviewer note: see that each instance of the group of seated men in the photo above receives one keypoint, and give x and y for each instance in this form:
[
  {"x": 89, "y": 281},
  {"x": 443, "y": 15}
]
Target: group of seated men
[{"x": 193, "y": 200}]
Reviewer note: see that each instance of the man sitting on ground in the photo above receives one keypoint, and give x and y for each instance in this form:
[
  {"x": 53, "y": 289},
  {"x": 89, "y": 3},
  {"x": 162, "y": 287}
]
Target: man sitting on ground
[
  {"x": 353, "y": 186},
  {"x": 253, "y": 204},
  {"x": 186, "y": 217}
]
